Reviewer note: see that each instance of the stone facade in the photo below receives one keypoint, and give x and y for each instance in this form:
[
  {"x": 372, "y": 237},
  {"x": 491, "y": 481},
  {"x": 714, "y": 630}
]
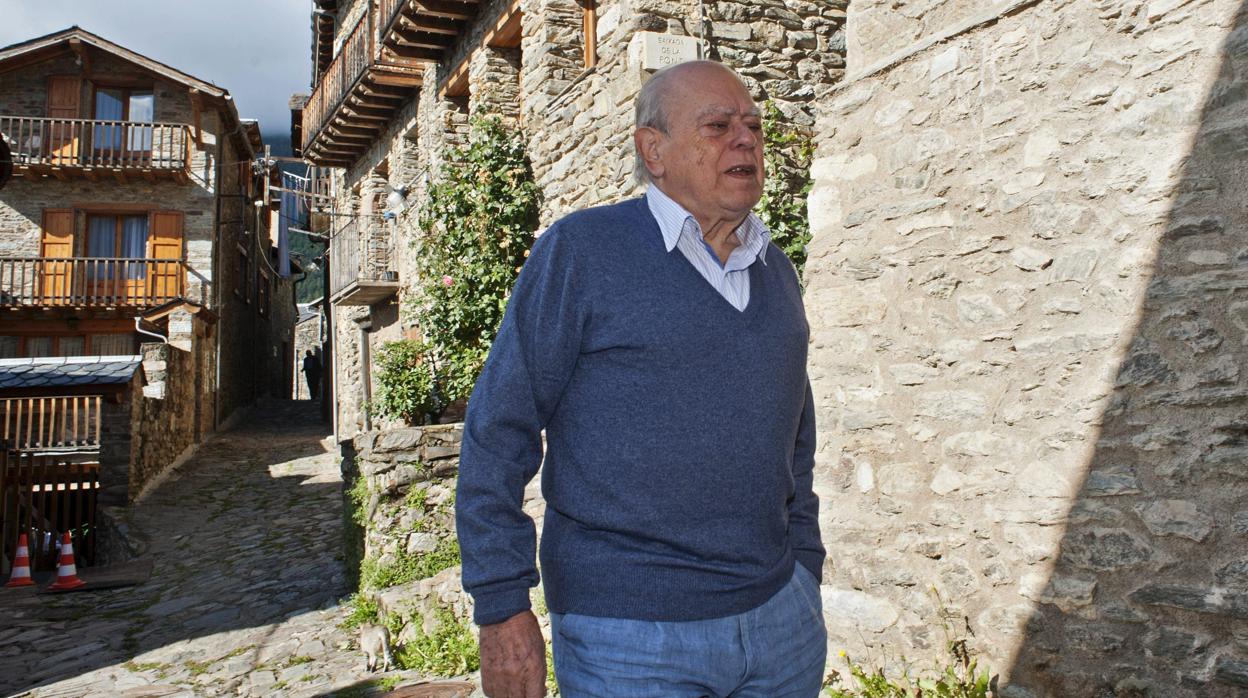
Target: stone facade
[
  {"x": 577, "y": 119},
  {"x": 392, "y": 464},
  {"x": 1026, "y": 291},
  {"x": 309, "y": 333},
  {"x": 163, "y": 413}
]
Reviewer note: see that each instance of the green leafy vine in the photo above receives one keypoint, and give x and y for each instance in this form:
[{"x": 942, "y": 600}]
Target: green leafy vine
[{"x": 788, "y": 154}]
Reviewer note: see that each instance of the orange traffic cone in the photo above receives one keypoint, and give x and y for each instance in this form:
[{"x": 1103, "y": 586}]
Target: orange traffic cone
[
  {"x": 66, "y": 574},
  {"x": 21, "y": 565}
]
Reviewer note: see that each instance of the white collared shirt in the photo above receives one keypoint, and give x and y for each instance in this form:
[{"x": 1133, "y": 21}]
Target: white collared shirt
[{"x": 681, "y": 230}]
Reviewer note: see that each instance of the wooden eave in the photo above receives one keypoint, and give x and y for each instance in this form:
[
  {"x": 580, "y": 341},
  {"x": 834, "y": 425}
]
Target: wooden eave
[
  {"x": 420, "y": 31},
  {"x": 75, "y": 40}
]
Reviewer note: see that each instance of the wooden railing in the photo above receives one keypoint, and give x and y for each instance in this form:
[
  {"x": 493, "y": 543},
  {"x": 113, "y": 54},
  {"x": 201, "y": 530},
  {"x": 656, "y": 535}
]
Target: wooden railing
[
  {"x": 344, "y": 257},
  {"x": 44, "y": 497},
  {"x": 338, "y": 80},
  {"x": 70, "y": 423},
  {"x": 89, "y": 281},
  {"x": 89, "y": 143}
]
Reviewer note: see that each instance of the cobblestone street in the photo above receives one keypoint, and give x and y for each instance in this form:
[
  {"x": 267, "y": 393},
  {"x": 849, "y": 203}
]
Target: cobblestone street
[{"x": 243, "y": 599}]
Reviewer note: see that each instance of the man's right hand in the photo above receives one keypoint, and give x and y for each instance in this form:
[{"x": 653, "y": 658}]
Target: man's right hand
[{"x": 513, "y": 658}]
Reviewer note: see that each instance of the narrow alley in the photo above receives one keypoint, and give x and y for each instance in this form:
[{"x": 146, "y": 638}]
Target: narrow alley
[{"x": 243, "y": 597}]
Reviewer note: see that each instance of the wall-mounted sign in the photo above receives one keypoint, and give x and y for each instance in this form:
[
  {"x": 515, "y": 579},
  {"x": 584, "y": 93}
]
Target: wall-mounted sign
[{"x": 653, "y": 51}]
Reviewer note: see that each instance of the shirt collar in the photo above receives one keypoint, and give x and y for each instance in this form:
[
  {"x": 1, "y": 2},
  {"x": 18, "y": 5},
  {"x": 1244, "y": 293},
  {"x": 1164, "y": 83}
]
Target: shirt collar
[{"x": 672, "y": 219}]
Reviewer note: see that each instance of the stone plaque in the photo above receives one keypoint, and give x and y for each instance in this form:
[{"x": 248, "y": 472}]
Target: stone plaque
[{"x": 653, "y": 50}]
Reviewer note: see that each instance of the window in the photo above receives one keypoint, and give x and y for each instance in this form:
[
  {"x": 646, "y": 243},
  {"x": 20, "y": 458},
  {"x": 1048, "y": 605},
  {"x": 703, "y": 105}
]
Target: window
[
  {"x": 589, "y": 27},
  {"x": 117, "y": 238},
  {"x": 9, "y": 347},
  {"x": 112, "y": 344},
  {"x": 123, "y": 104}
]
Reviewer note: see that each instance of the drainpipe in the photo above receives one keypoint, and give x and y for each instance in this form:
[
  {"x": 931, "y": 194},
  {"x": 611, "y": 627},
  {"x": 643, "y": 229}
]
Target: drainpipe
[
  {"x": 138, "y": 328},
  {"x": 216, "y": 279}
]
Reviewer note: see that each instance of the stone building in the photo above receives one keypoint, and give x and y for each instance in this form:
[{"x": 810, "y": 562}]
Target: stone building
[
  {"x": 1028, "y": 296},
  {"x": 394, "y": 84},
  {"x": 135, "y": 228}
]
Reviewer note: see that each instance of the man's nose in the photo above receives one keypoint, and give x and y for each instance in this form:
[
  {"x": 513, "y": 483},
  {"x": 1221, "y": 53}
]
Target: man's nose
[{"x": 745, "y": 137}]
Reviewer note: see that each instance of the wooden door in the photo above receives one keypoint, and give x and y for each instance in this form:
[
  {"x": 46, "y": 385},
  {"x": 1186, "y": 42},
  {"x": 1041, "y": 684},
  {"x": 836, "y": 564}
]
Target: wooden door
[
  {"x": 53, "y": 278},
  {"x": 63, "y": 140},
  {"x": 165, "y": 278}
]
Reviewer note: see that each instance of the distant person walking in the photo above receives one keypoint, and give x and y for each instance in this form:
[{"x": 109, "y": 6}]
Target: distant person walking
[{"x": 312, "y": 371}]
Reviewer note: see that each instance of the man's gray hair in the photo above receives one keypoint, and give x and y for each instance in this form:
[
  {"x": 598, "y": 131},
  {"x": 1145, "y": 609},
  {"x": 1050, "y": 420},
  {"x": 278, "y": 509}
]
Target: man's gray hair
[{"x": 652, "y": 109}]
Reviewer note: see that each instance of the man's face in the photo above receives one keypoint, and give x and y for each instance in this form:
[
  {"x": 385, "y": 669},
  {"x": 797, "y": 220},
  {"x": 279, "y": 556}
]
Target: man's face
[{"x": 711, "y": 159}]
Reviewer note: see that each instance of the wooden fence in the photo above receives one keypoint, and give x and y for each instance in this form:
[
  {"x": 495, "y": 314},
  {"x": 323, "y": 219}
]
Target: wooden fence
[
  {"x": 45, "y": 496},
  {"x": 70, "y": 423}
]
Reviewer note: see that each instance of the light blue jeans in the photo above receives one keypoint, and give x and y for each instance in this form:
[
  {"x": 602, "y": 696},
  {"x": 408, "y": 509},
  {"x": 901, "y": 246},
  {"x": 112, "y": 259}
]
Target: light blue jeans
[{"x": 776, "y": 650}]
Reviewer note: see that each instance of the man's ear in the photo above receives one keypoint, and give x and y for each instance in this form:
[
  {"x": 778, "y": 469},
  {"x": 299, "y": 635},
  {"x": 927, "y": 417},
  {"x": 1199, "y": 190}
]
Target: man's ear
[{"x": 647, "y": 141}]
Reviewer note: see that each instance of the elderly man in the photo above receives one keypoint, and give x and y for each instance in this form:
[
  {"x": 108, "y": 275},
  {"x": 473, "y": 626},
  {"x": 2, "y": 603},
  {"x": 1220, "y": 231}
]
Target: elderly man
[{"x": 661, "y": 345}]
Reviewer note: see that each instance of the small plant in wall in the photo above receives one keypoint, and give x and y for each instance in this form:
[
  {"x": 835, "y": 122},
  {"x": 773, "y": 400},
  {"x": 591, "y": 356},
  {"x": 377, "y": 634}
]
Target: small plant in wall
[
  {"x": 788, "y": 154},
  {"x": 477, "y": 225}
]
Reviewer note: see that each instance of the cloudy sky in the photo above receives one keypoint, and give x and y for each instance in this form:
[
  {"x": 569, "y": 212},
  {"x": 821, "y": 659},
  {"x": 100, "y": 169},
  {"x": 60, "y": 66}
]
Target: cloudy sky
[{"x": 259, "y": 50}]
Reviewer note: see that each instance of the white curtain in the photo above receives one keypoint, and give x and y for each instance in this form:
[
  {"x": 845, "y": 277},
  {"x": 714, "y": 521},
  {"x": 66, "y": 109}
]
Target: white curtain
[
  {"x": 112, "y": 344},
  {"x": 101, "y": 242},
  {"x": 134, "y": 243},
  {"x": 142, "y": 108}
]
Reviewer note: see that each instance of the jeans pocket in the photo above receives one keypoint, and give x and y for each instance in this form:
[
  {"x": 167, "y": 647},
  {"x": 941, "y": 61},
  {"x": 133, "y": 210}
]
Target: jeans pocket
[{"x": 808, "y": 589}]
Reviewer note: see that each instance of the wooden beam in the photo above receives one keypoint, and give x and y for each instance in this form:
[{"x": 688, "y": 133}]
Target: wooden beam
[
  {"x": 197, "y": 107},
  {"x": 373, "y": 88},
  {"x": 348, "y": 141},
  {"x": 404, "y": 80},
  {"x": 433, "y": 55},
  {"x": 506, "y": 30},
  {"x": 353, "y": 129},
  {"x": 456, "y": 84},
  {"x": 80, "y": 50},
  {"x": 433, "y": 25},
  {"x": 119, "y": 175},
  {"x": 363, "y": 111},
  {"x": 446, "y": 8},
  {"x": 405, "y": 37},
  {"x": 59, "y": 173}
]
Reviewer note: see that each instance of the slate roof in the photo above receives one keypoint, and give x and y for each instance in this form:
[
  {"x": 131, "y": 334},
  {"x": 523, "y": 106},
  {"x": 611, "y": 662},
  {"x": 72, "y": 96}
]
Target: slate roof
[{"x": 46, "y": 372}]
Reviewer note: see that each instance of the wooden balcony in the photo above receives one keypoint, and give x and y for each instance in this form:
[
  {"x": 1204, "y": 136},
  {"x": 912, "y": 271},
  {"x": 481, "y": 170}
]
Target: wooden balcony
[
  {"x": 89, "y": 282},
  {"x": 379, "y": 66},
  {"x": 93, "y": 149},
  {"x": 359, "y": 269},
  {"x": 45, "y": 424}
]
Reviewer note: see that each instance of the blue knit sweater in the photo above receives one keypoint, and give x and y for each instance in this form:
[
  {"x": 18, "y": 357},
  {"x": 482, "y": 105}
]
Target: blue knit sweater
[{"x": 680, "y": 433}]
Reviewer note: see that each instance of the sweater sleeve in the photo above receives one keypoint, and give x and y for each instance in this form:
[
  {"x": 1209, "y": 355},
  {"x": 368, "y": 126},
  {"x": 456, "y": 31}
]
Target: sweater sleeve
[
  {"x": 528, "y": 366},
  {"x": 804, "y": 507}
]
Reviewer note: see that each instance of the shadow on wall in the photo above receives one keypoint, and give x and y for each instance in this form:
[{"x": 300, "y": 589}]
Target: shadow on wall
[{"x": 1149, "y": 595}]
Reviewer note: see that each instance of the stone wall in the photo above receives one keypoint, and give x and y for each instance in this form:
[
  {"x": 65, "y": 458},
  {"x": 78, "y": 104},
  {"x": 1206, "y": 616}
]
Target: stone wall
[
  {"x": 408, "y": 510},
  {"x": 163, "y": 415},
  {"x": 578, "y": 120},
  {"x": 307, "y": 338},
  {"x": 1028, "y": 300}
]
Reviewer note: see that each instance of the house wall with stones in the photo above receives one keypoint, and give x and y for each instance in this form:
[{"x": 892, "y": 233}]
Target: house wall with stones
[
  {"x": 225, "y": 238},
  {"x": 577, "y": 119},
  {"x": 1028, "y": 298},
  {"x": 23, "y": 92},
  {"x": 308, "y": 337},
  {"x": 406, "y": 506},
  {"x": 163, "y": 413}
]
